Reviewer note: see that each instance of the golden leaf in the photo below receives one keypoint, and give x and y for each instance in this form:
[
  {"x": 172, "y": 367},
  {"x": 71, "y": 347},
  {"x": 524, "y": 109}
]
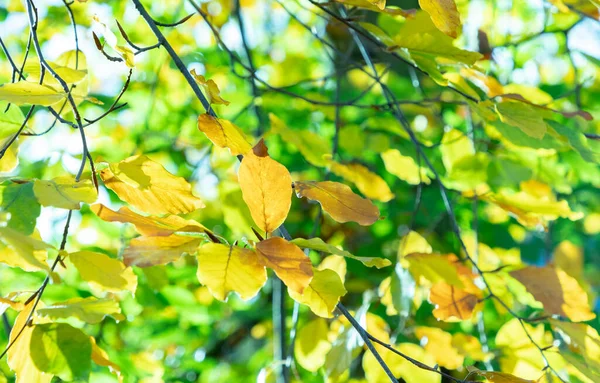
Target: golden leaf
[
  {"x": 322, "y": 293},
  {"x": 148, "y": 186},
  {"x": 210, "y": 89},
  {"x": 438, "y": 343},
  {"x": 290, "y": 263},
  {"x": 452, "y": 303},
  {"x": 103, "y": 272},
  {"x": 444, "y": 15},
  {"x": 339, "y": 201},
  {"x": 267, "y": 189},
  {"x": 367, "y": 182},
  {"x": 224, "y": 269},
  {"x": 557, "y": 291},
  {"x": 151, "y": 251},
  {"x": 224, "y": 134},
  {"x": 148, "y": 225}
]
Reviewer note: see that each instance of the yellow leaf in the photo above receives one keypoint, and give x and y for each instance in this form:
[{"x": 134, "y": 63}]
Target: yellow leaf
[
  {"x": 267, "y": 190},
  {"x": 451, "y": 303},
  {"x": 319, "y": 245},
  {"x": 470, "y": 346},
  {"x": 500, "y": 377},
  {"x": 378, "y": 3},
  {"x": 10, "y": 160},
  {"x": 444, "y": 15},
  {"x": 458, "y": 81},
  {"x": 311, "y": 346},
  {"x": 438, "y": 343},
  {"x": 312, "y": 146},
  {"x": 224, "y": 134},
  {"x": 64, "y": 192},
  {"x": 569, "y": 257},
  {"x": 19, "y": 356},
  {"x": 103, "y": 272},
  {"x": 322, "y": 294},
  {"x": 151, "y": 251},
  {"x": 210, "y": 89},
  {"x": 336, "y": 263},
  {"x": 22, "y": 251},
  {"x": 434, "y": 268},
  {"x": 290, "y": 263},
  {"x": 367, "y": 182},
  {"x": 557, "y": 291},
  {"x": 100, "y": 357},
  {"x": 534, "y": 205},
  {"x": 399, "y": 366},
  {"x": 89, "y": 310},
  {"x": 69, "y": 75},
  {"x": 413, "y": 242},
  {"x": 582, "y": 339},
  {"x": 339, "y": 201},
  {"x": 224, "y": 269},
  {"x": 404, "y": 167},
  {"x": 148, "y": 186},
  {"x": 30, "y": 93},
  {"x": 148, "y": 225},
  {"x": 455, "y": 147}
]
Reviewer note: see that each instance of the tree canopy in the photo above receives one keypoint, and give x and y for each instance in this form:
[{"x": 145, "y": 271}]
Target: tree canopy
[{"x": 300, "y": 191}]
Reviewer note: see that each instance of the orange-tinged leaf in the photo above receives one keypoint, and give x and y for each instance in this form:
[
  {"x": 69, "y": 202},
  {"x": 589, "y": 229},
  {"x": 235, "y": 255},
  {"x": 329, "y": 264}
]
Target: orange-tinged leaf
[
  {"x": 444, "y": 15},
  {"x": 151, "y": 251},
  {"x": 19, "y": 356},
  {"x": 210, "y": 89},
  {"x": 339, "y": 201},
  {"x": 322, "y": 293},
  {"x": 560, "y": 293},
  {"x": 148, "y": 225},
  {"x": 267, "y": 190},
  {"x": 367, "y": 182},
  {"x": 148, "y": 186},
  {"x": 103, "y": 272},
  {"x": 452, "y": 303},
  {"x": 224, "y": 134},
  {"x": 225, "y": 269},
  {"x": 290, "y": 263}
]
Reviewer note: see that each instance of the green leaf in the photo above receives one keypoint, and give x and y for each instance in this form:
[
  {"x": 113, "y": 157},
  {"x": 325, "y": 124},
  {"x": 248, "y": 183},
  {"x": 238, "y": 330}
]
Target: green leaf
[
  {"x": 10, "y": 120},
  {"x": 318, "y": 245},
  {"x": 62, "y": 350},
  {"x": 19, "y": 201},
  {"x": 30, "y": 93},
  {"x": 522, "y": 116},
  {"x": 90, "y": 310}
]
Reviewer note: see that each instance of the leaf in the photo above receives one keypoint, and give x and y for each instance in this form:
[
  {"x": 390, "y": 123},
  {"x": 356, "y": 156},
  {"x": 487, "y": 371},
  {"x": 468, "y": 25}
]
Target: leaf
[
  {"x": 30, "y": 93},
  {"x": 19, "y": 357},
  {"x": 224, "y": 134},
  {"x": 500, "y": 377},
  {"x": 312, "y": 146},
  {"x": 378, "y": 6},
  {"x": 28, "y": 253},
  {"x": 10, "y": 159},
  {"x": 61, "y": 350},
  {"x": 413, "y": 242},
  {"x": 434, "y": 268},
  {"x": 336, "y": 263},
  {"x": 438, "y": 343},
  {"x": 149, "y": 225},
  {"x": 455, "y": 147},
  {"x": 452, "y": 303},
  {"x": 151, "y": 251},
  {"x": 400, "y": 367},
  {"x": 404, "y": 167},
  {"x": 69, "y": 75},
  {"x": 522, "y": 116},
  {"x": 225, "y": 269},
  {"x": 319, "y": 245},
  {"x": 90, "y": 310},
  {"x": 367, "y": 182},
  {"x": 470, "y": 346},
  {"x": 339, "y": 201},
  {"x": 582, "y": 339},
  {"x": 397, "y": 292},
  {"x": 10, "y": 120},
  {"x": 148, "y": 186},
  {"x": 290, "y": 263},
  {"x": 64, "y": 192},
  {"x": 210, "y": 89},
  {"x": 100, "y": 357},
  {"x": 444, "y": 15},
  {"x": 18, "y": 200},
  {"x": 323, "y": 292},
  {"x": 557, "y": 291},
  {"x": 312, "y": 345},
  {"x": 267, "y": 189},
  {"x": 569, "y": 258},
  {"x": 103, "y": 272}
]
